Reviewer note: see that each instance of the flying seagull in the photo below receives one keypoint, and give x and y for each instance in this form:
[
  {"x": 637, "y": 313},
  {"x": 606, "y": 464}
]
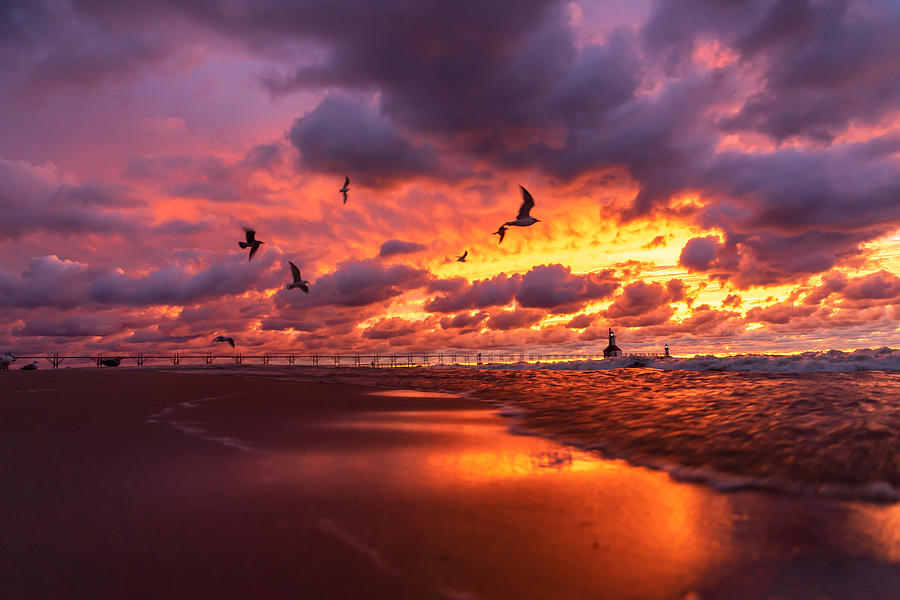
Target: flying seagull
[
  {"x": 345, "y": 189},
  {"x": 111, "y": 362},
  {"x": 524, "y": 219},
  {"x": 501, "y": 232},
  {"x": 222, "y": 338},
  {"x": 298, "y": 282},
  {"x": 251, "y": 243},
  {"x": 463, "y": 257}
]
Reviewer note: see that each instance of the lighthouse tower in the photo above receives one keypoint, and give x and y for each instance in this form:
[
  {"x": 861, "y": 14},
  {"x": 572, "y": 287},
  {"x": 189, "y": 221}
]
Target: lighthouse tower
[{"x": 612, "y": 350}]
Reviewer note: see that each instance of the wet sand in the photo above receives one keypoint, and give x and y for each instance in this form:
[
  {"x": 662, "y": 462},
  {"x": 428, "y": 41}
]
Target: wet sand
[{"x": 143, "y": 484}]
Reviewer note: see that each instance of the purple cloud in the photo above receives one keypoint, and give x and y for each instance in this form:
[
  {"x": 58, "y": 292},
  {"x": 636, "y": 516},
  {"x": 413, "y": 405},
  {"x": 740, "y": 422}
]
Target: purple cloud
[
  {"x": 554, "y": 287},
  {"x": 397, "y": 247},
  {"x": 345, "y": 136}
]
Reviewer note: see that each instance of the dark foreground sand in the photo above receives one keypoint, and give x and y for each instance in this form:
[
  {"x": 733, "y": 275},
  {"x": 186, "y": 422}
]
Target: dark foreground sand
[{"x": 142, "y": 484}]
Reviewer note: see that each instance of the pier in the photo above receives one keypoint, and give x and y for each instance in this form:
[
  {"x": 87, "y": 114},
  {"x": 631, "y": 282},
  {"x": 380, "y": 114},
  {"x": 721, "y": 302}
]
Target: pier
[{"x": 373, "y": 360}]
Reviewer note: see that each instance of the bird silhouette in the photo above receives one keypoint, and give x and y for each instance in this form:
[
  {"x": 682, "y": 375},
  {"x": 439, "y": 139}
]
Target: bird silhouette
[
  {"x": 111, "y": 362},
  {"x": 251, "y": 243},
  {"x": 345, "y": 189},
  {"x": 463, "y": 257},
  {"x": 298, "y": 282},
  {"x": 524, "y": 218},
  {"x": 222, "y": 338},
  {"x": 501, "y": 232}
]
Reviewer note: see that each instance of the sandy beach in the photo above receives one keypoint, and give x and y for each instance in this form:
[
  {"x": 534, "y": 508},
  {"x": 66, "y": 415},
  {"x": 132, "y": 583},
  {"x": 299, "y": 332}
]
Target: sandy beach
[{"x": 158, "y": 484}]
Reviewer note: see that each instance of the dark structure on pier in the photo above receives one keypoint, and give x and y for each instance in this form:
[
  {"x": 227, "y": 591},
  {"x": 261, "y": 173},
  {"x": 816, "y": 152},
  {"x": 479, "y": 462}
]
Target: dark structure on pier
[{"x": 612, "y": 350}]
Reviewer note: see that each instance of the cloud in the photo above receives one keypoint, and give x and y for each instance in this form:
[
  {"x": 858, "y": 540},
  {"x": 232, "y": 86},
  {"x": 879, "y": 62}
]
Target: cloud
[
  {"x": 397, "y": 247},
  {"x": 386, "y": 329},
  {"x": 514, "y": 319},
  {"x": 830, "y": 63},
  {"x": 346, "y": 136},
  {"x": 36, "y": 199},
  {"x": 699, "y": 254},
  {"x": 51, "y": 281},
  {"x": 80, "y": 326},
  {"x": 355, "y": 284},
  {"x": 463, "y": 320},
  {"x": 209, "y": 177},
  {"x": 732, "y": 301},
  {"x": 781, "y": 313},
  {"x": 582, "y": 321},
  {"x": 49, "y": 46},
  {"x": 554, "y": 287},
  {"x": 483, "y": 293},
  {"x": 642, "y": 304}
]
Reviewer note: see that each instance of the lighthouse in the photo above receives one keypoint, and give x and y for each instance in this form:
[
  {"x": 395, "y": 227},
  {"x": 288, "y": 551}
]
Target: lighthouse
[{"x": 612, "y": 350}]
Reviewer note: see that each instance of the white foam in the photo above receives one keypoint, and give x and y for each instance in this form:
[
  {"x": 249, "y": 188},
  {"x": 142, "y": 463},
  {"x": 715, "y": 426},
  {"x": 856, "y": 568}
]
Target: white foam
[
  {"x": 163, "y": 417},
  {"x": 835, "y": 361}
]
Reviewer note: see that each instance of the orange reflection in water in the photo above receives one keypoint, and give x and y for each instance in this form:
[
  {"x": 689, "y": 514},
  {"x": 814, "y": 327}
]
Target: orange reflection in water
[{"x": 508, "y": 508}]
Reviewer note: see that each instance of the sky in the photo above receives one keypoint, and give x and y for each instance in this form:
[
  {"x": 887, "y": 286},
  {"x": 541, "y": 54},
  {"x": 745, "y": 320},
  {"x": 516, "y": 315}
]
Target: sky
[{"x": 721, "y": 177}]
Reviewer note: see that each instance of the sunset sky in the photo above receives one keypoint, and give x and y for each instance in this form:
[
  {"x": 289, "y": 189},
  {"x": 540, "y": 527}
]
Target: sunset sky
[{"x": 723, "y": 177}]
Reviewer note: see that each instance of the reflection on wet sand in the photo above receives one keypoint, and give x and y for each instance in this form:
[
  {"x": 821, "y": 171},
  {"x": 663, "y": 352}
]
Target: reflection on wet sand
[
  {"x": 553, "y": 521},
  {"x": 353, "y": 495},
  {"x": 520, "y": 506}
]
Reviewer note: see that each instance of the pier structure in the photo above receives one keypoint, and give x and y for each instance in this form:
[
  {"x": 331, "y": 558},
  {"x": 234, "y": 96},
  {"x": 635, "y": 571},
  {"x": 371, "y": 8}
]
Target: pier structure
[{"x": 336, "y": 360}]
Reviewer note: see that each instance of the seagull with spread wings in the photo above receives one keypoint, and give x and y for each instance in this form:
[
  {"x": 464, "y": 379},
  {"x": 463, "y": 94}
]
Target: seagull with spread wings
[
  {"x": 251, "y": 242},
  {"x": 345, "y": 189},
  {"x": 463, "y": 257},
  {"x": 298, "y": 282},
  {"x": 524, "y": 219},
  {"x": 501, "y": 232},
  {"x": 221, "y": 338}
]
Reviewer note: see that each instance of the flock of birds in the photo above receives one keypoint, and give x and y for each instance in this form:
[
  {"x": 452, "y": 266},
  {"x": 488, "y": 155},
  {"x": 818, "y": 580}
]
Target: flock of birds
[{"x": 523, "y": 219}]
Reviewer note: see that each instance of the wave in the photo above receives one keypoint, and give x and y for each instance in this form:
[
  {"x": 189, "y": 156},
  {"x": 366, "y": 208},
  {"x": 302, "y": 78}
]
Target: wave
[{"x": 832, "y": 361}]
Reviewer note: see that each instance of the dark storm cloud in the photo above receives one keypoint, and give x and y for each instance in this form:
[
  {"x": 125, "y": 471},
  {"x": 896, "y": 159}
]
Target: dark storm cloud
[
  {"x": 344, "y": 136},
  {"x": 46, "y": 46},
  {"x": 397, "y": 247},
  {"x": 830, "y": 63}
]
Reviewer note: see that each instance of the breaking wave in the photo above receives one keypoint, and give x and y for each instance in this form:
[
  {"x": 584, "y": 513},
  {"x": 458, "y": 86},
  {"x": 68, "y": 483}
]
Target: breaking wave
[{"x": 832, "y": 361}]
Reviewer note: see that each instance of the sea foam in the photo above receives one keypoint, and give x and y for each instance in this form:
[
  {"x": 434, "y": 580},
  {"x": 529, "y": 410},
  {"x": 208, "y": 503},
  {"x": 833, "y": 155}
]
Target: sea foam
[{"x": 833, "y": 361}]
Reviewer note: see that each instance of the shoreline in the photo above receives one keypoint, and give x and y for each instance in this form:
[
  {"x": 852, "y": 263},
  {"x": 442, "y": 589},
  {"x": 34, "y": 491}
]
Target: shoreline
[
  {"x": 877, "y": 492},
  {"x": 296, "y": 485}
]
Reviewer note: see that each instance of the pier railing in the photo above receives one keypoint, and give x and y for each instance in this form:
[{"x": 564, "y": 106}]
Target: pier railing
[{"x": 418, "y": 359}]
